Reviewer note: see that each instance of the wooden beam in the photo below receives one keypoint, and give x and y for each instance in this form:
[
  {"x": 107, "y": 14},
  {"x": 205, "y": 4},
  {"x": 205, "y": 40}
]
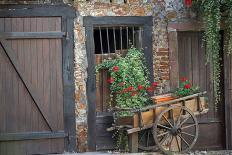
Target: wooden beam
[
  {"x": 133, "y": 142},
  {"x": 31, "y": 89},
  {"x": 31, "y": 136},
  {"x": 32, "y": 35},
  {"x": 68, "y": 85},
  {"x": 37, "y": 10},
  {"x": 118, "y": 20}
]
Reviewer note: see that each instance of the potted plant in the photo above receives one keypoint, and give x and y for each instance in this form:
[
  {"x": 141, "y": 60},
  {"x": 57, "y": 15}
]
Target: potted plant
[
  {"x": 186, "y": 89},
  {"x": 129, "y": 84}
]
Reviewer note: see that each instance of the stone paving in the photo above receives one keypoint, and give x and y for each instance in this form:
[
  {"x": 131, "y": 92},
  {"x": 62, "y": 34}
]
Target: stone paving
[{"x": 222, "y": 152}]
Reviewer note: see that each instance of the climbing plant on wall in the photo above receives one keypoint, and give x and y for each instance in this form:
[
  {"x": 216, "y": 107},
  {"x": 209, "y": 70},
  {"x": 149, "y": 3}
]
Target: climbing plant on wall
[{"x": 213, "y": 11}]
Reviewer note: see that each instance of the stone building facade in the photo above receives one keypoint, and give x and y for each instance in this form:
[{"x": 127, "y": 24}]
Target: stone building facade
[{"x": 162, "y": 11}]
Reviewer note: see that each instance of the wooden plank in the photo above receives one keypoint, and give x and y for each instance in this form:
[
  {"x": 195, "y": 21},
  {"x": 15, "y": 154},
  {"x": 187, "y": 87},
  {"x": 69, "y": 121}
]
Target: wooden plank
[
  {"x": 32, "y": 35},
  {"x": 32, "y": 91},
  {"x": 37, "y": 10},
  {"x": 68, "y": 85},
  {"x": 147, "y": 46},
  {"x": 40, "y": 66},
  {"x": 31, "y": 136},
  {"x": 34, "y": 73},
  {"x": 91, "y": 89},
  {"x": 173, "y": 59},
  {"x": 145, "y": 20},
  {"x": 133, "y": 142},
  {"x": 27, "y": 69}
]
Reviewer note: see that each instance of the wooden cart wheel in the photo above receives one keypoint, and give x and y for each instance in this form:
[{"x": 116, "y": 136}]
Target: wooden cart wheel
[
  {"x": 146, "y": 141},
  {"x": 175, "y": 130}
]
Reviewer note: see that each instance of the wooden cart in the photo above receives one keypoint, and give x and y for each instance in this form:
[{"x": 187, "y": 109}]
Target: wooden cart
[{"x": 173, "y": 128}]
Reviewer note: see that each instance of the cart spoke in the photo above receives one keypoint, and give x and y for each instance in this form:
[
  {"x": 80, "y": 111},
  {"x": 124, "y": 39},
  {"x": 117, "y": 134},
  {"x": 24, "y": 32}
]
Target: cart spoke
[
  {"x": 164, "y": 139},
  {"x": 162, "y": 134},
  {"x": 173, "y": 118},
  {"x": 170, "y": 144},
  {"x": 162, "y": 126},
  {"x": 178, "y": 120},
  {"x": 142, "y": 136},
  {"x": 148, "y": 138},
  {"x": 167, "y": 120},
  {"x": 178, "y": 145},
  {"x": 188, "y": 126},
  {"x": 184, "y": 140},
  {"x": 188, "y": 134},
  {"x": 185, "y": 120}
]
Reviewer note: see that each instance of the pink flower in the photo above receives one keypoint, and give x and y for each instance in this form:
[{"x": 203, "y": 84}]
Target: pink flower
[
  {"x": 110, "y": 80},
  {"x": 140, "y": 87},
  {"x": 183, "y": 79},
  {"x": 187, "y": 86},
  {"x": 121, "y": 84},
  {"x": 130, "y": 88},
  {"x": 150, "y": 89},
  {"x": 154, "y": 84},
  {"x": 134, "y": 93},
  {"x": 116, "y": 68}
]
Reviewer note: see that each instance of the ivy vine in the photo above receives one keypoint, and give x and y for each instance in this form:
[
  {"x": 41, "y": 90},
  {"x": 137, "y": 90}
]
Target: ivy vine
[{"x": 213, "y": 11}]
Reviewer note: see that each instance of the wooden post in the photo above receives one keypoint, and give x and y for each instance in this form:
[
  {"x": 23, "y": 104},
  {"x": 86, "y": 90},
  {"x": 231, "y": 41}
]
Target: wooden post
[{"x": 133, "y": 142}]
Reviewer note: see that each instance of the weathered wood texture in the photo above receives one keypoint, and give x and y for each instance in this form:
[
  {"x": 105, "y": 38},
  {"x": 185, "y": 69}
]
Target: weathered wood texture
[
  {"x": 192, "y": 64},
  {"x": 31, "y": 86}
]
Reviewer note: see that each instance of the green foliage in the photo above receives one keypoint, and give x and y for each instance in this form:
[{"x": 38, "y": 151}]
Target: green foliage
[
  {"x": 128, "y": 80},
  {"x": 212, "y": 13},
  {"x": 185, "y": 88}
]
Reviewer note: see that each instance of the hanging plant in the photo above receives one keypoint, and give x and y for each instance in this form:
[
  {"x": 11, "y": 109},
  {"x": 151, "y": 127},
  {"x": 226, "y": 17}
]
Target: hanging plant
[{"x": 212, "y": 14}]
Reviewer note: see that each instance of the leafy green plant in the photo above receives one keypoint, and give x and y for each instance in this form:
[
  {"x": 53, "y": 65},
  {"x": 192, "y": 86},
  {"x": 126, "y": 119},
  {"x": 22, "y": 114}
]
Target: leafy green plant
[
  {"x": 129, "y": 83},
  {"x": 212, "y": 11},
  {"x": 185, "y": 88}
]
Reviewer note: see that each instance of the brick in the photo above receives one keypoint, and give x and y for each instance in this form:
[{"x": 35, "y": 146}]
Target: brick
[
  {"x": 163, "y": 49},
  {"x": 162, "y": 53}
]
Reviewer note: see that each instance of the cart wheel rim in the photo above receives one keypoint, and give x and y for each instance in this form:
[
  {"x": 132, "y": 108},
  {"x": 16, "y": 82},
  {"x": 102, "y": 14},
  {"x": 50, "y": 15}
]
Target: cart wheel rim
[
  {"x": 174, "y": 130},
  {"x": 146, "y": 141}
]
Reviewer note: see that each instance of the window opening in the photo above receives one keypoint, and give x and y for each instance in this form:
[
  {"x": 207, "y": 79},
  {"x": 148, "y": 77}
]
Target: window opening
[{"x": 116, "y": 39}]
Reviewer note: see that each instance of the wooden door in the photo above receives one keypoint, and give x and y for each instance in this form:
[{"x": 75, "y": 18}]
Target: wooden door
[
  {"x": 32, "y": 114},
  {"x": 192, "y": 64}
]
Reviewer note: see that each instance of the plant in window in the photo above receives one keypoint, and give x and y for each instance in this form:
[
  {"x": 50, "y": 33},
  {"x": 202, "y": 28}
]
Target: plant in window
[{"x": 128, "y": 80}]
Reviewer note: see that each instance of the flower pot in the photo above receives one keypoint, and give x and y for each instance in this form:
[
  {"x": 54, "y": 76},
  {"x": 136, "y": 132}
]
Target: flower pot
[
  {"x": 161, "y": 99},
  {"x": 147, "y": 118}
]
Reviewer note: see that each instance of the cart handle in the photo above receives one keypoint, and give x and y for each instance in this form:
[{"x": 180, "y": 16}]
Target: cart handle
[{"x": 169, "y": 102}]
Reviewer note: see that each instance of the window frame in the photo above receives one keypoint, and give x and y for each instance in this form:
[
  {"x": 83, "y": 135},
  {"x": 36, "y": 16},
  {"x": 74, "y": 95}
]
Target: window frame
[{"x": 89, "y": 23}]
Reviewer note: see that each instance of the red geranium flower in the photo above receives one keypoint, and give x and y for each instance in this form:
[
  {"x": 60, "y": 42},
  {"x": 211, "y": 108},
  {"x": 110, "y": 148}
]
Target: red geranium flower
[
  {"x": 124, "y": 90},
  {"x": 150, "y": 89},
  {"x": 134, "y": 93},
  {"x": 110, "y": 80},
  {"x": 121, "y": 83},
  {"x": 116, "y": 68},
  {"x": 154, "y": 84},
  {"x": 183, "y": 79},
  {"x": 130, "y": 88},
  {"x": 188, "y": 3},
  {"x": 187, "y": 86},
  {"x": 140, "y": 87}
]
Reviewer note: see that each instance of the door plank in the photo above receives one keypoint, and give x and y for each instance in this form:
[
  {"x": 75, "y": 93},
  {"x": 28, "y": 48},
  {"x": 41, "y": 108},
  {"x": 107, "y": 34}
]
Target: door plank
[{"x": 31, "y": 90}]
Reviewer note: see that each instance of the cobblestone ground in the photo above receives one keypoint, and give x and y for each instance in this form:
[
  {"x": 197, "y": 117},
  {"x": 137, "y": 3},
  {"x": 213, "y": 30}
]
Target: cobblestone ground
[{"x": 222, "y": 152}]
